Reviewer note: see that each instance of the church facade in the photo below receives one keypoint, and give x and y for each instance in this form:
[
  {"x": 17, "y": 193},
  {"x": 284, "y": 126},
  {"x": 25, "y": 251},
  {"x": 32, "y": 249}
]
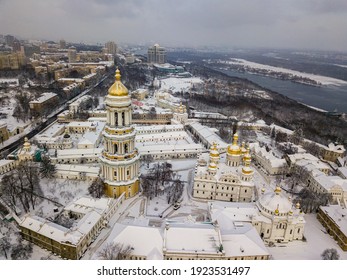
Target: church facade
[{"x": 228, "y": 179}]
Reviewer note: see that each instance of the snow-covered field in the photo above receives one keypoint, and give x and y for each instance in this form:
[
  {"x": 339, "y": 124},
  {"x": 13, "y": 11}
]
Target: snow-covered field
[
  {"x": 317, "y": 241},
  {"x": 179, "y": 84},
  {"x": 318, "y": 78}
]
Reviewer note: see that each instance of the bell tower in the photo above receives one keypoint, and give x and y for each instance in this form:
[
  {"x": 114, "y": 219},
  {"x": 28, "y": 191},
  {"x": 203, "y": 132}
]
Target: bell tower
[{"x": 120, "y": 159}]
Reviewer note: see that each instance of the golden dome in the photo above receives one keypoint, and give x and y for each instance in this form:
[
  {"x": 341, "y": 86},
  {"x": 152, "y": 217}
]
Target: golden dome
[
  {"x": 234, "y": 149},
  {"x": 214, "y": 151},
  {"x": 212, "y": 166},
  {"x": 118, "y": 89},
  {"x": 247, "y": 156},
  {"x": 247, "y": 170},
  {"x": 277, "y": 212}
]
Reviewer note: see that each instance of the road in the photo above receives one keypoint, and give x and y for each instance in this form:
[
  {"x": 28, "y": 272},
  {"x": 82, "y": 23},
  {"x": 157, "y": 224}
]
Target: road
[{"x": 51, "y": 118}]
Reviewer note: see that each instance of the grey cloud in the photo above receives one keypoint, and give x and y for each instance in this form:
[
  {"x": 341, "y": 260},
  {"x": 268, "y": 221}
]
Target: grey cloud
[{"x": 249, "y": 23}]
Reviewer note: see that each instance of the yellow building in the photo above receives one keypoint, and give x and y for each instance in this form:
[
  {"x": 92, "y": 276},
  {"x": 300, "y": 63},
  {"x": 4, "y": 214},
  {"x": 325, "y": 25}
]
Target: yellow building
[
  {"x": 4, "y": 134},
  {"x": 120, "y": 160},
  {"x": 333, "y": 218},
  {"x": 13, "y": 61}
]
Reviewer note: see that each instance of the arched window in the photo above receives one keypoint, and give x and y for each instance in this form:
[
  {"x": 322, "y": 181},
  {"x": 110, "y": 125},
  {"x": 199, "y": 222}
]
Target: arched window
[
  {"x": 116, "y": 119},
  {"x": 123, "y": 119},
  {"x": 125, "y": 148},
  {"x": 115, "y": 148}
]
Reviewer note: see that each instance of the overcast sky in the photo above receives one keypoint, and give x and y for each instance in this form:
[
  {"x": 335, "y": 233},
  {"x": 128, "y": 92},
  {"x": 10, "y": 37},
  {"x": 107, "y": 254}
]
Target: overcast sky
[{"x": 308, "y": 24}]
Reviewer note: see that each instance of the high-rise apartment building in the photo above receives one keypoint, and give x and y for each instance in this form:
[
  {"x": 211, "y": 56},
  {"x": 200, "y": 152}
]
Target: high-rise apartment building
[
  {"x": 72, "y": 54},
  {"x": 156, "y": 54},
  {"x": 111, "y": 47},
  {"x": 62, "y": 44}
]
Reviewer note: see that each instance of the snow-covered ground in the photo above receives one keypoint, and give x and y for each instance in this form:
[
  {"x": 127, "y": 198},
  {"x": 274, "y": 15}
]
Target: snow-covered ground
[
  {"x": 179, "y": 84},
  {"x": 318, "y": 78},
  {"x": 317, "y": 241}
]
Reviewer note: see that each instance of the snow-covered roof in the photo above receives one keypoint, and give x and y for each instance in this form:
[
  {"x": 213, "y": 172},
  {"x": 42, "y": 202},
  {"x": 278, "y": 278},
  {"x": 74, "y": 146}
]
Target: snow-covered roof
[
  {"x": 145, "y": 241},
  {"x": 336, "y": 148},
  {"x": 77, "y": 168},
  {"x": 51, "y": 230},
  {"x": 273, "y": 201},
  {"x": 243, "y": 240},
  {"x": 84, "y": 205},
  {"x": 209, "y": 135},
  {"x": 262, "y": 152},
  {"x": 192, "y": 238},
  {"x": 343, "y": 171},
  {"x": 81, "y": 124},
  {"x": 162, "y": 149},
  {"x": 4, "y": 162},
  {"x": 44, "y": 97},
  {"x": 68, "y": 153},
  {"x": 338, "y": 214},
  {"x": 150, "y": 128},
  {"x": 52, "y": 131}
]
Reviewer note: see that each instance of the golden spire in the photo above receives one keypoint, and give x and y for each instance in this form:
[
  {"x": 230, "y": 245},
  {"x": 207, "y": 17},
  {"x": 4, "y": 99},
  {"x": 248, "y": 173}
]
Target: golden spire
[
  {"x": 235, "y": 138},
  {"x": 118, "y": 89}
]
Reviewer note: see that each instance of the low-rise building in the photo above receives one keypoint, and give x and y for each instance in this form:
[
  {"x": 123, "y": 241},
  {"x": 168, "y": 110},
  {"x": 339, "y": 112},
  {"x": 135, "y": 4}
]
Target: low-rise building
[
  {"x": 46, "y": 101},
  {"x": 76, "y": 172},
  {"x": 207, "y": 136},
  {"x": 71, "y": 243},
  {"x": 334, "y": 219},
  {"x": 6, "y": 165},
  {"x": 274, "y": 217},
  {"x": 267, "y": 161}
]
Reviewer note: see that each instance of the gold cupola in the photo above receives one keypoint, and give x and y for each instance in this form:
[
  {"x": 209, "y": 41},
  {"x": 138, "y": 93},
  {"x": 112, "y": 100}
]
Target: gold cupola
[
  {"x": 234, "y": 149},
  {"x": 247, "y": 163},
  {"x": 118, "y": 89},
  {"x": 26, "y": 145},
  {"x": 214, "y": 153}
]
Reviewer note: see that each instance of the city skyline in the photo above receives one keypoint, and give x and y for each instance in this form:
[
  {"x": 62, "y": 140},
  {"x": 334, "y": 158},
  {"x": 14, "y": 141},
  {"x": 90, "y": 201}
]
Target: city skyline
[{"x": 269, "y": 24}]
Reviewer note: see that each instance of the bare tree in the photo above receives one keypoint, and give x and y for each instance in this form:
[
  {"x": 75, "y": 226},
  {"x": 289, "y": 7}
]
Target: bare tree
[
  {"x": 96, "y": 189},
  {"x": 310, "y": 201},
  {"x": 29, "y": 181},
  {"x": 10, "y": 190},
  {"x": 5, "y": 246},
  {"x": 115, "y": 251},
  {"x": 22, "y": 250},
  {"x": 175, "y": 191},
  {"x": 330, "y": 254},
  {"x": 22, "y": 186}
]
